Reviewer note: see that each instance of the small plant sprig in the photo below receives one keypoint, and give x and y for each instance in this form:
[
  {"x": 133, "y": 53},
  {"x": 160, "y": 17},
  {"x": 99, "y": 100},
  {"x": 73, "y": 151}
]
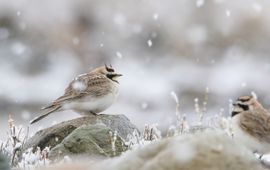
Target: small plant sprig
[
  {"x": 113, "y": 137},
  {"x": 33, "y": 159},
  {"x": 219, "y": 121},
  {"x": 181, "y": 122},
  {"x": 16, "y": 139},
  {"x": 134, "y": 140},
  {"x": 198, "y": 110},
  {"x": 150, "y": 133},
  {"x": 205, "y": 102},
  {"x": 12, "y": 148}
]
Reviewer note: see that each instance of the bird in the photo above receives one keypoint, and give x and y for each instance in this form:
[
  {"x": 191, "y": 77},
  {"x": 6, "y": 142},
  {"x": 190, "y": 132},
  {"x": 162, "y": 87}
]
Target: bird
[
  {"x": 251, "y": 124},
  {"x": 88, "y": 94}
]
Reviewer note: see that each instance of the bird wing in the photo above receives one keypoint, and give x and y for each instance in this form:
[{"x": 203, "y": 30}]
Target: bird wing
[
  {"x": 257, "y": 124},
  {"x": 92, "y": 84}
]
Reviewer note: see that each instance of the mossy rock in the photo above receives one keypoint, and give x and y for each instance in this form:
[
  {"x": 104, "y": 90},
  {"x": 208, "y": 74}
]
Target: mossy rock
[
  {"x": 92, "y": 140},
  {"x": 54, "y": 135},
  {"x": 3, "y": 163}
]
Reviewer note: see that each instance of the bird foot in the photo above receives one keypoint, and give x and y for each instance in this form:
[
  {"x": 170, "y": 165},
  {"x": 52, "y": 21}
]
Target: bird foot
[
  {"x": 93, "y": 113},
  {"x": 258, "y": 155}
]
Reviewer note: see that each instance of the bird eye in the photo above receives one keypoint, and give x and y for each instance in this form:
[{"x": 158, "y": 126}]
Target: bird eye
[{"x": 244, "y": 107}]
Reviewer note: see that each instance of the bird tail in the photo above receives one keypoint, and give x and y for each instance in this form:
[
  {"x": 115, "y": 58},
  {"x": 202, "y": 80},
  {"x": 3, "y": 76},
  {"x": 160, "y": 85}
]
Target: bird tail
[{"x": 53, "y": 109}]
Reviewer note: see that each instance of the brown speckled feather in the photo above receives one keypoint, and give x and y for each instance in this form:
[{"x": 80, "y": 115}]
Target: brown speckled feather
[
  {"x": 96, "y": 85},
  {"x": 257, "y": 124}
]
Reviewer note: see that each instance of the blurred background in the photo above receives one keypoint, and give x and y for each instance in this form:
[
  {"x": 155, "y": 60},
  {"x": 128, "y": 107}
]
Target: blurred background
[{"x": 186, "y": 47}]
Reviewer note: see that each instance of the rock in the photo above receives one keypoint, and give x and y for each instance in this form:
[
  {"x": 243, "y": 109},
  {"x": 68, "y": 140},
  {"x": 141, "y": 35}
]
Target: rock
[
  {"x": 54, "y": 135},
  {"x": 91, "y": 140},
  {"x": 3, "y": 163},
  {"x": 205, "y": 150}
]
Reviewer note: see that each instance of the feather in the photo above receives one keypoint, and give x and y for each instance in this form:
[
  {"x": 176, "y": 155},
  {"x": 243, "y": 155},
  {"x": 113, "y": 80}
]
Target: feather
[
  {"x": 256, "y": 123},
  {"x": 45, "y": 114}
]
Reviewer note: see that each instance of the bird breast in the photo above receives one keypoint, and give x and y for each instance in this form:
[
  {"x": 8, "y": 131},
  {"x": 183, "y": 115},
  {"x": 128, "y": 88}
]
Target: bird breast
[{"x": 94, "y": 104}]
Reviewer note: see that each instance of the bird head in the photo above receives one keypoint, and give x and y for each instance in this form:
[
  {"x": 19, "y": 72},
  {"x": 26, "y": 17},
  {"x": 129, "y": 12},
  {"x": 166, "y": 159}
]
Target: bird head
[
  {"x": 109, "y": 72},
  {"x": 245, "y": 103}
]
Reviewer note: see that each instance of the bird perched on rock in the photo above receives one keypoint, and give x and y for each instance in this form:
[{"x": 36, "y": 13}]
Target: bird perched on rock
[
  {"x": 251, "y": 124},
  {"x": 88, "y": 93}
]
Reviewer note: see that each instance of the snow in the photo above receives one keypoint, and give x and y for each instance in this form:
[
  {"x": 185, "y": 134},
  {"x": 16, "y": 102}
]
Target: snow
[
  {"x": 174, "y": 96},
  {"x": 253, "y": 94},
  {"x": 33, "y": 160},
  {"x": 155, "y": 16},
  {"x": 257, "y": 7},
  {"x": 228, "y": 13},
  {"x": 144, "y": 105},
  {"x": 79, "y": 86},
  {"x": 207, "y": 90},
  {"x": 18, "y": 13},
  {"x": 208, "y": 150},
  {"x": 183, "y": 153},
  {"x": 179, "y": 46},
  {"x": 17, "y": 146},
  {"x": 199, "y": 3},
  {"x": 243, "y": 84},
  {"x": 149, "y": 43},
  {"x": 119, "y": 55}
]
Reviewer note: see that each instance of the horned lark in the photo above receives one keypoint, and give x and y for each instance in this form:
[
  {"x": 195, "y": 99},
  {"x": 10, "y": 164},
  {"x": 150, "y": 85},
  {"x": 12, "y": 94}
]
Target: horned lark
[
  {"x": 88, "y": 93},
  {"x": 251, "y": 124}
]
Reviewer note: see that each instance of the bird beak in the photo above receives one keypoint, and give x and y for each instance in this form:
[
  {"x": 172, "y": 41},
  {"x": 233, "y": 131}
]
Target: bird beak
[
  {"x": 114, "y": 77},
  {"x": 118, "y": 75}
]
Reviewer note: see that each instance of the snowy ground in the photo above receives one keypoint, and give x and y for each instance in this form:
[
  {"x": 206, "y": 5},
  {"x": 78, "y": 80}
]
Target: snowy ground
[{"x": 181, "y": 46}]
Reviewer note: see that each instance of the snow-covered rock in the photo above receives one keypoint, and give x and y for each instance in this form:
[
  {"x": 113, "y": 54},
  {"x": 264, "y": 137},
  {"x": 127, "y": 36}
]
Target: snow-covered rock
[{"x": 206, "y": 150}]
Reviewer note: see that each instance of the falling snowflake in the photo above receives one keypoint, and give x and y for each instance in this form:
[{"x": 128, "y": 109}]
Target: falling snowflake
[
  {"x": 78, "y": 86},
  {"x": 150, "y": 43},
  {"x": 119, "y": 55},
  {"x": 155, "y": 16},
  {"x": 144, "y": 105},
  {"x": 257, "y": 7},
  {"x": 18, "y": 13},
  {"x": 228, "y": 13},
  {"x": 199, "y": 3},
  {"x": 243, "y": 84}
]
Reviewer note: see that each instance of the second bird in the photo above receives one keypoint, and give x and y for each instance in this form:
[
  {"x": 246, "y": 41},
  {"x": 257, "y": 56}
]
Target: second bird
[
  {"x": 89, "y": 93},
  {"x": 251, "y": 124}
]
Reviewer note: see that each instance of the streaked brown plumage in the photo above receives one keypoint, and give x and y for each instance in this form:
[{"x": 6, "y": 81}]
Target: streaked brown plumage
[
  {"x": 251, "y": 124},
  {"x": 88, "y": 93}
]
